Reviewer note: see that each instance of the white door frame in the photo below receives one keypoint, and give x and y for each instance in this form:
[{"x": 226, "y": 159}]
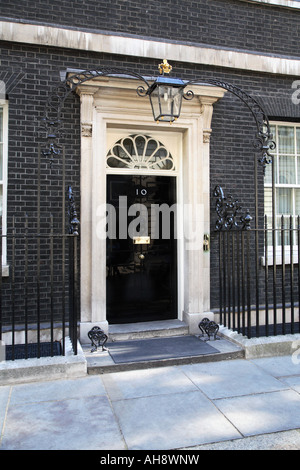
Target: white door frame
[
  {"x": 108, "y": 103},
  {"x": 173, "y": 142}
]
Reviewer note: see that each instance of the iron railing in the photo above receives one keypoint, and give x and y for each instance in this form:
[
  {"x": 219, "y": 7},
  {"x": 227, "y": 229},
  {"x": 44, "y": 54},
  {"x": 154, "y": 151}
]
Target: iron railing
[
  {"x": 39, "y": 299},
  {"x": 259, "y": 278}
]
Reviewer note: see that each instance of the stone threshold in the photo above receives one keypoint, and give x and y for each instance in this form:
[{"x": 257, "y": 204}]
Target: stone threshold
[
  {"x": 101, "y": 362},
  {"x": 143, "y": 330},
  {"x": 106, "y": 365}
]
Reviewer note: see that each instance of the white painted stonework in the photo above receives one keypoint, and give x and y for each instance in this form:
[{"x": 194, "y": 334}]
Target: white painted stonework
[
  {"x": 112, "y": 43},
  {"x": 279, "y": 3},
  {"x": 111, "y": 108}
]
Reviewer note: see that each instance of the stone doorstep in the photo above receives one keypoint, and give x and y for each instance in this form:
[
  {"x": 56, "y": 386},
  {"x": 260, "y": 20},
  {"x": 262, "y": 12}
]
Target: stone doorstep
[
  {"x": 70, "y": 366},
  {"x": 105, "y": 364},
  {"x": 234, "y": 346},
  {"x": 144, "y": 330},
  {"x": 99, "y": 362}
]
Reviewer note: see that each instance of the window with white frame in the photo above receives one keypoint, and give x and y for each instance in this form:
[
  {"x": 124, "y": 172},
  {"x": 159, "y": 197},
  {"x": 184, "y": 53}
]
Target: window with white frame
[
  {"x": 287, "y": 179},
  {"x": 3, "y": 170},
  {"x": 282, "y": 3}
]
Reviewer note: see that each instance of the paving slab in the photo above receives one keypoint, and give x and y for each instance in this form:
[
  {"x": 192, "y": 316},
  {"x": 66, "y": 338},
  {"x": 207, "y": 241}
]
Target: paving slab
[
  {"x": 4, "y": 396},
  {"x": 214, "y": 404},
  {"x": 57, "y": 390},
  {"x": 285, "y": 440},
  {"x": 148, "y": 382},
  {"x": 292, "y": 382},
  {"x": 280, "y": 366},
  {"x": 231, "y": 378},
  {"x": 171, "y": 421},
  {"x": 262, "y": 413},
  {"x": 73, "y": 424}
]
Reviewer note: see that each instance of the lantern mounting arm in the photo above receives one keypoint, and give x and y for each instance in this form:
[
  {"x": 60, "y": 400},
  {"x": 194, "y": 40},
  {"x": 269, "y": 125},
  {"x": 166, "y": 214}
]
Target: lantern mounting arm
[
  {"x": 56, "y": 100},
  {"x": 264, "y": 138},
  {"x": 52, "y": 124}
]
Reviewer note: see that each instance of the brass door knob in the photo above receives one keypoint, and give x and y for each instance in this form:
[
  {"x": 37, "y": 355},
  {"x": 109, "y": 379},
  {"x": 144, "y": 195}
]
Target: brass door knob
[{"x": 141, "y": 256}]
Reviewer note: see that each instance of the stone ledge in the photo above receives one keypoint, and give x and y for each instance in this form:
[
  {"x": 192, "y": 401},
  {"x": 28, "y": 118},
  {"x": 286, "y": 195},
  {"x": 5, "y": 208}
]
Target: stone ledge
[
  {"x": 265, "y": 346},
  {"x": 66, "y": 37},
  {"x": 44, "y": 368}
]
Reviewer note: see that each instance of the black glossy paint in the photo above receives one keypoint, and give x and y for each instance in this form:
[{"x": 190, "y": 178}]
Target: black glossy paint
[{"x": 141, "y": 289}]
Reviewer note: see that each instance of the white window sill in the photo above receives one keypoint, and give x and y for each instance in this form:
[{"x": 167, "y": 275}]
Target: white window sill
[{"x": 278, "y": 256}]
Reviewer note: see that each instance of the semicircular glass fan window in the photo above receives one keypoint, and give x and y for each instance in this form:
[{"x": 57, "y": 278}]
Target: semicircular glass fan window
[{"x": 140, "y": 152}]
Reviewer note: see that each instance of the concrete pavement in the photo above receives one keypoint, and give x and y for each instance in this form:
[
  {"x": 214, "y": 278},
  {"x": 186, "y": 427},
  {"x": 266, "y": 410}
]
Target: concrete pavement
[{"x": 228, "y": 404}]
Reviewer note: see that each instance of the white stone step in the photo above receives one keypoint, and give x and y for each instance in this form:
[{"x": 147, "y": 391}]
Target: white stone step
[{"x": 143, "y": 330}]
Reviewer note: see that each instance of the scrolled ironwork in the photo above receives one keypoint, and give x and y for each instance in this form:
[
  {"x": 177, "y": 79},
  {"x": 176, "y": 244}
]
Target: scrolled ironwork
[
  {"x": 202, "y": 325},
  {"x": 246, "y": 221},
  {"x": 52, "y": 124},
  {"x": 211, "y": 330},
  {"x": 208, "y": 327},
  {"x": 264, "y": 138},
  {"x": 59, "y": 94},
  {"x": 98, "y": 338},
  {"x": 141, "y": 91},
  {"x": 72, "y": 212},
  {"x": 51, "y": 151},
  {"x": 227, "y": 210},
  {"x": 188, "y": 95},
  {"x": 264, "y": 145}
]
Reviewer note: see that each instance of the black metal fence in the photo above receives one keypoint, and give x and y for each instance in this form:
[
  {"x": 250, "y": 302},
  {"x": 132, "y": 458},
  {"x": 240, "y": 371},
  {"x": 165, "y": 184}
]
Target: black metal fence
[
  {"x": 40, "y": 290},
  {"x": 259, "y": 278},
  {"x": 39, "y": 296}
]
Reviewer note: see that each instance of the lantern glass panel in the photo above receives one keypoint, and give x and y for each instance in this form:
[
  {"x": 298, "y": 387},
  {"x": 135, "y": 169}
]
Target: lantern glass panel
[{"x": 166, "y": 102}]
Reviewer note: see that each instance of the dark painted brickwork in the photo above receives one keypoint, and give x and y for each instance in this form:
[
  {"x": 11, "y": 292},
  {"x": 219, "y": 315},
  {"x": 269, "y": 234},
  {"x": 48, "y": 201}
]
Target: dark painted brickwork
[
  {"x": 226, "y": 23},
  {"x": 232, "y": 153}
]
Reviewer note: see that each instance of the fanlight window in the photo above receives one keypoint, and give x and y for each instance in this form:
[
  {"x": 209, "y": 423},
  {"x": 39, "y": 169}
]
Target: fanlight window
[{"x": 140, "y": 152}]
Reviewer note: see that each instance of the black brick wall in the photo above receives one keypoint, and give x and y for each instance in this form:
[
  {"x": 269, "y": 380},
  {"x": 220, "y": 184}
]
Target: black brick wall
[{"x": 232, "y": 152}]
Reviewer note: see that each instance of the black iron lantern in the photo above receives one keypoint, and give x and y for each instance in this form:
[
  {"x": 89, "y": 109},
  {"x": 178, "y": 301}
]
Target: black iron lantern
[{"x": 166, "y": 95}]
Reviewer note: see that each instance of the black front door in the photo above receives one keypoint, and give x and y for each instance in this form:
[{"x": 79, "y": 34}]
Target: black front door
[{"x": 141, "y": 248}]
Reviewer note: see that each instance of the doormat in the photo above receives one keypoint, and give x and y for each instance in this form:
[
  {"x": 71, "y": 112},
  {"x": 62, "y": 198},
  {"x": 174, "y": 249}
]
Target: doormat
[
  {"x": 158, "y": 348},
  {"x": 32, "y": 350}
]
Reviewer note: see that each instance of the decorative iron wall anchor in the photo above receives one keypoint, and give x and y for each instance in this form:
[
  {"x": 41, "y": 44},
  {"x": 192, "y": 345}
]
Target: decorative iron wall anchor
[
  {"x": 98, "y": 338},
  {"x": 227, "y": 210},
  {"x": 209, "y": 327}
]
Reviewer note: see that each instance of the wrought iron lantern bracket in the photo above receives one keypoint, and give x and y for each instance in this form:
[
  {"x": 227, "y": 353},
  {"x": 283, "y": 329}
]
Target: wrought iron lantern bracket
[
  {"x": 169, "y": 93},
  {"x": 264, "y": 139}
]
